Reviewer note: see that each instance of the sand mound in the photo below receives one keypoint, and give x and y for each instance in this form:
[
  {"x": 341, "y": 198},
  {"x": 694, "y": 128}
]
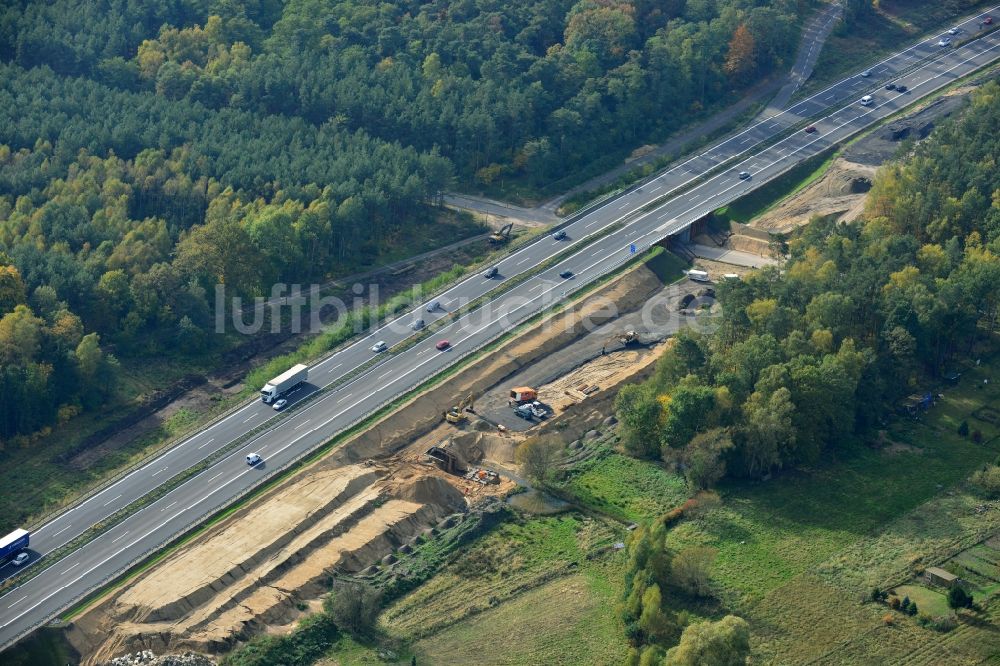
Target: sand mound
[{"x": 433, "y": 490}]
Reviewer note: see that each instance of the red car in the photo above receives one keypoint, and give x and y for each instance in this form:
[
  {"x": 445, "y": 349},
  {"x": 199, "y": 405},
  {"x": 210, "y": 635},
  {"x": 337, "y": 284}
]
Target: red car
[
  {"x": 442, "y": 345},
  {"x": 988, "y": 20},
  {"x": 811, "y": 129}
]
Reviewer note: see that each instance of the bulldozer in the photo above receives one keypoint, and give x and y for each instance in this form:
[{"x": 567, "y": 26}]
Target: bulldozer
[
  {"x": 456, "y": 414},
  {"x": 502, "y": 235},
  {"x": 624, "y": 339}
]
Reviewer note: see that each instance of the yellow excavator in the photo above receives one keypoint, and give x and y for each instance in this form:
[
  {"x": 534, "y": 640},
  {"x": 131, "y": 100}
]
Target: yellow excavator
[
  {"x": 502, "y": 235},
  {"x": 456, "y": 414},
  {"x": 624, "y": 339}
]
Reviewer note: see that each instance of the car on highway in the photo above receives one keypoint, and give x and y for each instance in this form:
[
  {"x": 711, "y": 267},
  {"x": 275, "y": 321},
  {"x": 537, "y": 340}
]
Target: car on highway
[
  {"x": 867, "y": 100},
  {"x": 988, "y": 20},
  {"x": 744, "y": 175},
  {"x": 890, "y": 86},
  {"x": 953, "y": 31},
  {"x": 866, "y": 73},
  {"x": 254, "y": 459},
  {"x": 811, "y": 129},
  {"x": 944, "y": 41},
  {"x": 280, "y": 404},
  {"x": 20, "y": 559},
  {"x": 417, "y": 324},
  {"x": 491, "y": 272},
  {"x": 901, "y": 89},
  {"x": 379, "y": 346},
  {"x": 433, "y": 305},
  {"x": 442, "y": 345},
  {"x": 559, "y": 235},
  {"x": 565, "y": 275}
]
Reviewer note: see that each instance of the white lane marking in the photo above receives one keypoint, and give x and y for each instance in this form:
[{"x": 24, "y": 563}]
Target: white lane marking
[
  {"x": 207, "y": 443},
  {"x": 169, "y": 505},
  {"x": 658, "y": 187},
  {"x": 158, "y": 471},
  {"x": 625, "y": 205},
  {"x": 381, "y": 377},
  {"x": 62, "y": 530},
  {"x": 49, "y": 596},
  {"x": 18, "y": 601},
  {"x": 70, "y": 569},
  {"x": 301, "y": 424},
  {"x": 526, "y": 259},
  {"x": 249, "y": 418},
  {"x": 119, "y": 536},
  {"x": 112, "y": 500},
  {"x": 207, "y": 482},
  {"x": 343, "y": 399}
]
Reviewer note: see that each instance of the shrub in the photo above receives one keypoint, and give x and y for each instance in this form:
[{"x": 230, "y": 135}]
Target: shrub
[
  {"x": 894, "y": 603},
  {"x": 888, "y": 620},
  {"x": 963, "y": 429},
  {"x": 353, "y": 606},
  {"x": 959, "y": 598},
  {"x": 977, "y": 437},
  {"x": 988, "y": 480},
  {"x": 944, "y": 623},
  {"x": 912, "y": 610}
]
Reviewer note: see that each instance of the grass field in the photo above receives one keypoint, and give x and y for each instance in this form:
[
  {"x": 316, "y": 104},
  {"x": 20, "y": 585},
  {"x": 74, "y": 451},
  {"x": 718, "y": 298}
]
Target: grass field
[
  {"x": 534, "y": 590},
  {"x": 797, "y": 555}
]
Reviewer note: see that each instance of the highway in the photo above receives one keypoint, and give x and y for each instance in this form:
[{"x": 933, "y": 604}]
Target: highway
[{"x": 293, "y": 433}]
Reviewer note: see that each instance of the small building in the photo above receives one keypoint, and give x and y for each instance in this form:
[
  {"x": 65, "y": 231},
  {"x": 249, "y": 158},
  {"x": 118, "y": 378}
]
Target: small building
[
  {"x": 917, "y": 403},
  {"x": 939, "y": 576}
]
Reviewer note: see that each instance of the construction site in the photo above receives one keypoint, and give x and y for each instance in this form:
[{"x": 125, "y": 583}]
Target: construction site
[{"x": 362, "y": 510}]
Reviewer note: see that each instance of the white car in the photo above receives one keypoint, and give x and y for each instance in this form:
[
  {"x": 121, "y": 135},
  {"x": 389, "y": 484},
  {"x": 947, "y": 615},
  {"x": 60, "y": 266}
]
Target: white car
[
  {"x": 254, "y": 459},
  {"x": 953, "y": 31},
  {"x": 866, "y": 73},
  {"x": 379, "y": 346},
  {"x": 944, "y": 41},
  {"x": 866, "y": 100},
  {"x": 21, "y": 559},
  {"x": 280, "y": 404}
]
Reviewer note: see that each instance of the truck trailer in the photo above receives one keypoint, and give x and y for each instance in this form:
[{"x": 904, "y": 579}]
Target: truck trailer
[
  {"x": 12, "y": 544},
  {"x": 284, "y": 383}
]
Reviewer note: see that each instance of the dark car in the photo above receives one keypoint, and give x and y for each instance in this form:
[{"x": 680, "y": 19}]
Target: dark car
[
  {"x": 744, "y": 175},
  {"x": 901, "y": 89},
  {"x": 890, "y": 86},
  {"x": 811, "y": 129},
  {"x": 565, "y": 275},
  {"x": 442, "y": 345},
  {"x": 559, "y": 235}
]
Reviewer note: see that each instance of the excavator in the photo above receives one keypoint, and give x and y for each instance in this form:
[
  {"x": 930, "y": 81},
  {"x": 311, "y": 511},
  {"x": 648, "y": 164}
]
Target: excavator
[
  {"x": 502, "y": 235},
  {"x": 624, "y": 339},
  {"x": 456, "y": 414}
]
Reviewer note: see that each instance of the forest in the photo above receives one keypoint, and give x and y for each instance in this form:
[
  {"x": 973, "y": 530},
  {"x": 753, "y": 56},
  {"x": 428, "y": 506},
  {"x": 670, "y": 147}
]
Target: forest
[
  {"x": 808, "y": 360},
  {"x": 527, "y": 89},
  {"x": 151, "y": 150}
]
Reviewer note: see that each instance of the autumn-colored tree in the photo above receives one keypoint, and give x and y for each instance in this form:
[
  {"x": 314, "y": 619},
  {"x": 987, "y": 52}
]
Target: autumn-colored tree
[{"x": 741, "y": 59}]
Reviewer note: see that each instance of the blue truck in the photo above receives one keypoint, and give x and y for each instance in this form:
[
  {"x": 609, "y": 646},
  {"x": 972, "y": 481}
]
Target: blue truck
[{"x": 12, "y": 544}]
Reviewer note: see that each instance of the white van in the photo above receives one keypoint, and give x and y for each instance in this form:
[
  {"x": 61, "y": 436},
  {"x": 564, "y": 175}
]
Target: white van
[
  {"x": 698, "y": 276},
  {"x": 867, "y": 100}
]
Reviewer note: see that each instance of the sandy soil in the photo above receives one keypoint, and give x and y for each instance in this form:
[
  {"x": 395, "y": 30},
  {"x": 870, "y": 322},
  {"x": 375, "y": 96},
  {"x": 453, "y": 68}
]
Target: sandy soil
[
  {"x": 842, "y": 190},
  {"x": 255, "y": 570}
]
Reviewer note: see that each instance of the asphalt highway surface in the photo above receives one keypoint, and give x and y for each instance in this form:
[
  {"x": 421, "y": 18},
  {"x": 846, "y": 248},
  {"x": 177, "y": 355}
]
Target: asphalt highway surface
[{"x": 685, "y": 194}]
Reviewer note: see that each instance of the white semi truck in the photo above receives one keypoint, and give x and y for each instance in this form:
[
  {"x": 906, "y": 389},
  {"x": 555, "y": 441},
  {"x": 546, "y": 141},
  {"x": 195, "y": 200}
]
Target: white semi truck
[{"x": 284, "y": 383}]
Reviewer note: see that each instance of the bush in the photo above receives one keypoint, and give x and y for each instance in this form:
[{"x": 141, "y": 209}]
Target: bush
[
  {"x": 944, "y": 623},
  {"x": 963, "y": 429},
  {"x": 353, "y": 606},
  {"x": 959, "y": 598},
  {"x": 988, "y": 480},
  {"x": 977, "y": 437},
  {"x": 894, "y": 603},
  {"x": 888, "y": 619}
]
